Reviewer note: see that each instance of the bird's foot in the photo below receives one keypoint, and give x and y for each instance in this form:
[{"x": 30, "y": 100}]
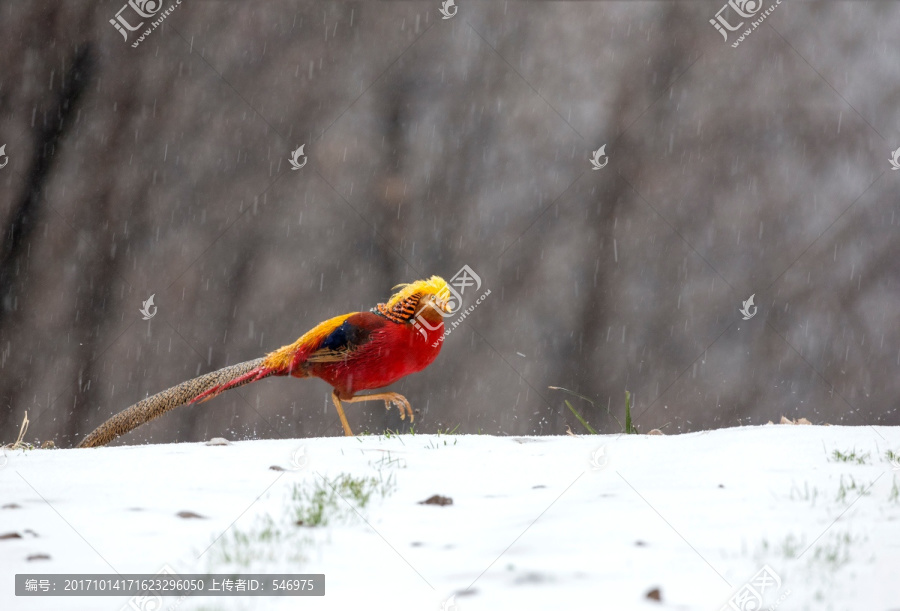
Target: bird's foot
[{"x": 402, "y": 404}]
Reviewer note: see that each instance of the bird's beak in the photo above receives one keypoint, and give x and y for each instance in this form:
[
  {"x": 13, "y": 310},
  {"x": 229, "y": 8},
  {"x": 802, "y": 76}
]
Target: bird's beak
[{"x": 444, "y": 305}]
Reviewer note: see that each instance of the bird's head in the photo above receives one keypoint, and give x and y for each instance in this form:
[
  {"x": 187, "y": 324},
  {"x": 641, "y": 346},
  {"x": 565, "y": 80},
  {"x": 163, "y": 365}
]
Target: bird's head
[{"x": 422, "y": 297}]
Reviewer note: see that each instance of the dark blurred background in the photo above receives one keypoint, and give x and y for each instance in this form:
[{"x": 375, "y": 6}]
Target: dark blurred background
[{"x": 436, "y": 143}]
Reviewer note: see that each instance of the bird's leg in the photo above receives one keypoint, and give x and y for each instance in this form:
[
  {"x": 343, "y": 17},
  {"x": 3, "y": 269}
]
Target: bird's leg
[
  {"x": 341, "y": 415},
  {"x": 389, "y": 398}
]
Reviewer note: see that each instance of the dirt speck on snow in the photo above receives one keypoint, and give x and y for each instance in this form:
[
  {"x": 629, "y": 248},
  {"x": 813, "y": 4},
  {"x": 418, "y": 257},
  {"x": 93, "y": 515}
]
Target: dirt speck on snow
[{"x": 189, "y": 514}]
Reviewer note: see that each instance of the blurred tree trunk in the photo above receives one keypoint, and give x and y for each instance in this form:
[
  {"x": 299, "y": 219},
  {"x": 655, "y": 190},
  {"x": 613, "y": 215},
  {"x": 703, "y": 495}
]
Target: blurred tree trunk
[{"x": 19, "y": 232}]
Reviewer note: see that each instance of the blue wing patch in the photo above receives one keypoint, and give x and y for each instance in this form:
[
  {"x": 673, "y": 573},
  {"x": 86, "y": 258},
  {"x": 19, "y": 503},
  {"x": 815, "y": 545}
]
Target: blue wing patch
[{"x": 346, "y": 337}]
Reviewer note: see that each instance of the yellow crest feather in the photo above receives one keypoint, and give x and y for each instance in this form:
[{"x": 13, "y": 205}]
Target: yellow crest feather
[{"x": 432, "y": 286}]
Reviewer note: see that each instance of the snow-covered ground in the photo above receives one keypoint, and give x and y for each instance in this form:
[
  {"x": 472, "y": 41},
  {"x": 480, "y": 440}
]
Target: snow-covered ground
[{"x": 591, "y": 522}]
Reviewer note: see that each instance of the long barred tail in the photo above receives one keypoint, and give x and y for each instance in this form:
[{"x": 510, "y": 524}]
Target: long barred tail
[{"x": 202, "y": 388}]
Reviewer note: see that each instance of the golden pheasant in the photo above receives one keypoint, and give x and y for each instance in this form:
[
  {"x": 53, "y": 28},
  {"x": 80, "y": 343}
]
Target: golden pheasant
[{"x": 354, "y": 352}]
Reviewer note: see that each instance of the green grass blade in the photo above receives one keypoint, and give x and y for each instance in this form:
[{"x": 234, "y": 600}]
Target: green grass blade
[
  {"x": 580, "y": 419},
  {"x": 629, "y": 427}
]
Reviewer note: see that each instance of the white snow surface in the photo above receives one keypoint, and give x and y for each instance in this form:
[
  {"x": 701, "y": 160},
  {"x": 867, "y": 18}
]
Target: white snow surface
[{"x": 535, "y": 523}]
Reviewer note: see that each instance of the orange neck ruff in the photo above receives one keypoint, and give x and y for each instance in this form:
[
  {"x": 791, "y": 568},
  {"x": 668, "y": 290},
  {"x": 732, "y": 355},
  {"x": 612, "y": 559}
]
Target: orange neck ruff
[{"x": 402, "y": 311}]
